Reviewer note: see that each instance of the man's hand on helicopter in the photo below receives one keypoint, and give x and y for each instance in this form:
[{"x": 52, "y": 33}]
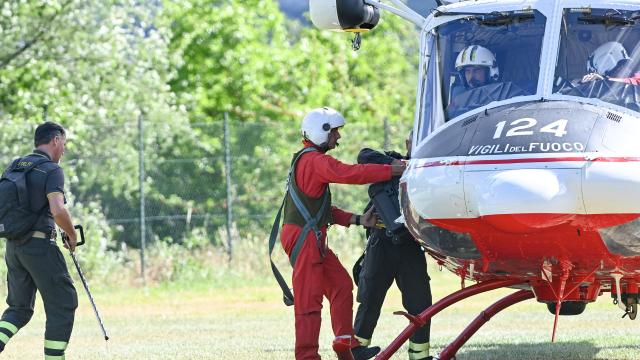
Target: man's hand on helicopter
[
  {"x": 591, "y": 77},
  {"x": 398, "y": 167},
  {"x": 369, "y": 218}
]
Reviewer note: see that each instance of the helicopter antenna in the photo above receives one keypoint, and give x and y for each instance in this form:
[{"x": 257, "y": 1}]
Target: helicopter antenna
[{"x": 356, "y": 42}]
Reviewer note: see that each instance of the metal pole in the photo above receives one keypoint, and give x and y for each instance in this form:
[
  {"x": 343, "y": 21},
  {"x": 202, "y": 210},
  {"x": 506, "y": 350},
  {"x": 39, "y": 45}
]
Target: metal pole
[
  {"x": 143, "y": 232},
  {"x": 386, "y": 134},
  {"x": 227, "y": 163},
  {"x": 65, "y": 239}
]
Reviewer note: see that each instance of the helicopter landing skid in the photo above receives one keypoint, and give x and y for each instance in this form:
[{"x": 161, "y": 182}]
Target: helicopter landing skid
[
  {"x": 425, "y": 316},
  {"x": 450, "y": 351}
]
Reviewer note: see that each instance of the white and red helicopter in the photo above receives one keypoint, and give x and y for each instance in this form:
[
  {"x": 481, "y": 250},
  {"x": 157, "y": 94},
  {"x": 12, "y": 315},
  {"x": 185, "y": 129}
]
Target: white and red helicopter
[{"x": 532, "y": 179}]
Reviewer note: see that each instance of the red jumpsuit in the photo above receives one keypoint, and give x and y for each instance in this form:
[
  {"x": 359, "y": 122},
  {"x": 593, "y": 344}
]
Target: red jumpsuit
[
  {"x": 313, "y": 275},
  {"x": 634, "y": 80}
]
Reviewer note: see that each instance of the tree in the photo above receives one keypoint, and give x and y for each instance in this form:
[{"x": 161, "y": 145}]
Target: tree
[
  {"x": 246, "y": 59},
  {"x": 97, "y": 67}
]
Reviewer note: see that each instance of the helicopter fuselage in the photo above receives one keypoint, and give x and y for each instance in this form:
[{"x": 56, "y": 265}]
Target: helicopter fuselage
[
  {"x": 533, "y": 174},
  {"x": 507, "y": 192}
]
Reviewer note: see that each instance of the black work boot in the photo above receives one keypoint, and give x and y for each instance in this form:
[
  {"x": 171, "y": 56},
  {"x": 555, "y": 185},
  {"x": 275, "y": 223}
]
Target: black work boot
[{"x": 364, "y": 353}]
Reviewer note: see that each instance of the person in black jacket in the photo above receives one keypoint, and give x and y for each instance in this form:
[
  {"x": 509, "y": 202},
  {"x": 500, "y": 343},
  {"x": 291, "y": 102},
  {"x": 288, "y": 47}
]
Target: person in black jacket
[
  {"x": 35, "y": 261},
  {"x": 391, "y": 256}
]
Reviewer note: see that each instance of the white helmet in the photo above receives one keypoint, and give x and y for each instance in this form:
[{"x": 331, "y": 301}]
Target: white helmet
[
  {"x": 317, "y": 124},
  {"x": 606, "y": 58},
  {"x": 476, "y": 55}
]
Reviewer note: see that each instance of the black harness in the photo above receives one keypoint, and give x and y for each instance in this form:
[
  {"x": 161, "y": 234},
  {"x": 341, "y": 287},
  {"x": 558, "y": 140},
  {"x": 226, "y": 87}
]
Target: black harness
[{"x": 311, "y": 224}]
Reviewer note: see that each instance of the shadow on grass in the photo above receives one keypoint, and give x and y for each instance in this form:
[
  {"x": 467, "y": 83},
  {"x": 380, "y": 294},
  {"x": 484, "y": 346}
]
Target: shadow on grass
[{"x": 544, "y": 350}]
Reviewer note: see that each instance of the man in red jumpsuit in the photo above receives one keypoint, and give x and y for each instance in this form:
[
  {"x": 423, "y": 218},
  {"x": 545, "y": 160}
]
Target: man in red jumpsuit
[{"x": 317, "y": 272}]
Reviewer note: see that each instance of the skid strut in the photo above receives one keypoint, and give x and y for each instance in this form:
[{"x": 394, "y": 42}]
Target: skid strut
[
  {"x": 451, "y": 350},
  {"x": 445, "y": 302}
]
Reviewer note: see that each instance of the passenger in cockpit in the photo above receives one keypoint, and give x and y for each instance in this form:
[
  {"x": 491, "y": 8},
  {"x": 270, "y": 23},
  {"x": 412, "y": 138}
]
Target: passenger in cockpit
[
  {"x": 607, "y": 62},
  {"x": 611, "y": 77}
]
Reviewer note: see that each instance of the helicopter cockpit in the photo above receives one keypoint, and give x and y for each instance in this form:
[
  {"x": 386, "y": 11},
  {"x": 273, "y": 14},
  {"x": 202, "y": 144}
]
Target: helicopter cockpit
[
  {"x": 476, "y": 57},
  {"x": 598, "y": 56},
  {"x": 480, "y": 59},
  {"x": 489, "y": 58}
]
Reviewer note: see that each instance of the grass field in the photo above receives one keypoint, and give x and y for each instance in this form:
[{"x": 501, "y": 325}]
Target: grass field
[{"x": 197, "y": 322}]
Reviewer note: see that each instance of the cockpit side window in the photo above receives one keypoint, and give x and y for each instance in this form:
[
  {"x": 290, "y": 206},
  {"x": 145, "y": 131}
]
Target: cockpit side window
[
  {"x": 487, "y": 58},
  {"x": 428, "y": 90},
  {"x": 599, "y": 56}
]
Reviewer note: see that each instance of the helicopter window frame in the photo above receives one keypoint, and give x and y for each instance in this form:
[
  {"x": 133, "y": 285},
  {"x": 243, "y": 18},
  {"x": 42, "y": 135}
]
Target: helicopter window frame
[
  {"x": 556, "y": 94},
  {"x": 430, "y": 113}
]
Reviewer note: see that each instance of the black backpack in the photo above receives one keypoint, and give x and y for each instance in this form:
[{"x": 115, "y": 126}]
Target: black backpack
[{"x": 16, "y": 217}]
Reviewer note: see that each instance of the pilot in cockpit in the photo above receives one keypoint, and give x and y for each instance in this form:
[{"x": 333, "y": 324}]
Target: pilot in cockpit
[{"x": 477, "y": 67}]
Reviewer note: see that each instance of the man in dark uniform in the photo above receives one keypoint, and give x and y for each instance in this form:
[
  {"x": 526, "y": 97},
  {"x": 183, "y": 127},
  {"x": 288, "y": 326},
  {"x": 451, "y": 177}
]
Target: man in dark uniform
[
  {"x": 35, "y": 262},
  {"x": 391, "y": 257}
]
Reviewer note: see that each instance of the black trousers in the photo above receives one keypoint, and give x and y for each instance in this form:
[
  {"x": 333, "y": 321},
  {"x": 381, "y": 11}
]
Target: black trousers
[
  {"x": 385, "y": 262},
  {"x": 39, "y": 265}
]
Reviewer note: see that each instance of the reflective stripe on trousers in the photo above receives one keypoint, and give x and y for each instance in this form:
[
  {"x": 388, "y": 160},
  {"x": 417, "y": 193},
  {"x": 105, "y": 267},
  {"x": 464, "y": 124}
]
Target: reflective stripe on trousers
[
  {"x": 7, "y": 330},
  {"x": 54, "y": 350},
  {"x": 363, "y": 341},
  {"x": 418, "y": 351}
]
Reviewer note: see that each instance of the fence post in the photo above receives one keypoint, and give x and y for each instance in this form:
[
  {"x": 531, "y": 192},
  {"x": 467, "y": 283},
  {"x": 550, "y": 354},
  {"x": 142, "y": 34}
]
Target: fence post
[
  {"x": 386, "y": 144},
  {"x": 143, "y": 232},
  {"x": 227, "y": 163}
]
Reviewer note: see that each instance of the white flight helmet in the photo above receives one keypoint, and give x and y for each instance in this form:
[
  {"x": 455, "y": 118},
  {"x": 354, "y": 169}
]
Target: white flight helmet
[
  {"x": 317, "y": 124},
  {"x": 476, "y": 55},
  {"x": 606, "y": 58}
]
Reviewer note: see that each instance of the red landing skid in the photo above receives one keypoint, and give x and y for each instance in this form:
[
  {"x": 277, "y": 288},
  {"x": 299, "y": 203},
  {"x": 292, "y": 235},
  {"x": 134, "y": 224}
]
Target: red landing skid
[{"x": 422, "y": 318}]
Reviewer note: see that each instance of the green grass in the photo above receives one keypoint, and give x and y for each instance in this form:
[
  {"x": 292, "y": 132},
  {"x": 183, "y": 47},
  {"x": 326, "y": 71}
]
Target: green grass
[{"x": 194, "y": 321}]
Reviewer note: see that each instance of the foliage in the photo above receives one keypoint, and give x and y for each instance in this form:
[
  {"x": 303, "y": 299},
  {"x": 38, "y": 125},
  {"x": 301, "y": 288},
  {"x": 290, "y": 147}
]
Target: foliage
[
  {"x": 97, "y": 67},
  {"x": 102, "y": 68},
  {"x": 244, "y": 58}
]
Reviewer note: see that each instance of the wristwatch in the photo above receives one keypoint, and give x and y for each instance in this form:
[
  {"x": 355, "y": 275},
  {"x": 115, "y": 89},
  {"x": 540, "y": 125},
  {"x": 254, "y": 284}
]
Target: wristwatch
[{"x": 358, "y": 220}]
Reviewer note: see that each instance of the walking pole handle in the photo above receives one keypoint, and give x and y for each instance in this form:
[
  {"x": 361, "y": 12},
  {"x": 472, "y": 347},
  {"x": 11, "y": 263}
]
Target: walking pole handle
[
  {"x": 81, "y": 229},
  {"x": 65, "y": 237}
]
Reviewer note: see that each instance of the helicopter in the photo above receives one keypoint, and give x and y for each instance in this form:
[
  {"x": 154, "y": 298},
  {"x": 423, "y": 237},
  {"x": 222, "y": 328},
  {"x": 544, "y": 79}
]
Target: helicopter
[{"x": 530, "y": 178}]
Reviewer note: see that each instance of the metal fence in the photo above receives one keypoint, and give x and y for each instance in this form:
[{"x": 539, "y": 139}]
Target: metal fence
[{"x": 234, "y": 182}]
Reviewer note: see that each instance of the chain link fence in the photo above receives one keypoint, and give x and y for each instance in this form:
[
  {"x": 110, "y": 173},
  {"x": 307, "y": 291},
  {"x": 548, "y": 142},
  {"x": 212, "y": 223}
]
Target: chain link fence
[{"x": 227, "y": 178}]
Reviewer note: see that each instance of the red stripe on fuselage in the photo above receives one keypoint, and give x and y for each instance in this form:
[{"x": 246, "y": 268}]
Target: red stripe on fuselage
[
  {"x": 527, "y": 160},
  {"x": 533, "y": 223}
]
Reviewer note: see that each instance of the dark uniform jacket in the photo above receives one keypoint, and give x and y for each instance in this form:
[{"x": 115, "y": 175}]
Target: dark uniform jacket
[
  {"x": 370, "y": 156},
  {"x": 390, "y": 255},
  {"x": 43, "y": 181}
]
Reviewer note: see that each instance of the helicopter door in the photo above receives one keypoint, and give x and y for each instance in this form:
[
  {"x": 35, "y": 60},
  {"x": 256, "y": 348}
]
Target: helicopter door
[{"x": 611, "y": 180}]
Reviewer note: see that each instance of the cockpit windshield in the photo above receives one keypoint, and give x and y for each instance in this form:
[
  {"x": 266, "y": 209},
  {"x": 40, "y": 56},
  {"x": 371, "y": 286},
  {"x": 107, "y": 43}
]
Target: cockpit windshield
[
  {"x": 480, "y": 59},
  {"x": 599, "y": 56}
]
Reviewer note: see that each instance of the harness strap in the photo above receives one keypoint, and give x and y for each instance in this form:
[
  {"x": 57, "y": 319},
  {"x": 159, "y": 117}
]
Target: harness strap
[
  {"x": 287, "y": 296},
  {"x": 311, "y": 224}
]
